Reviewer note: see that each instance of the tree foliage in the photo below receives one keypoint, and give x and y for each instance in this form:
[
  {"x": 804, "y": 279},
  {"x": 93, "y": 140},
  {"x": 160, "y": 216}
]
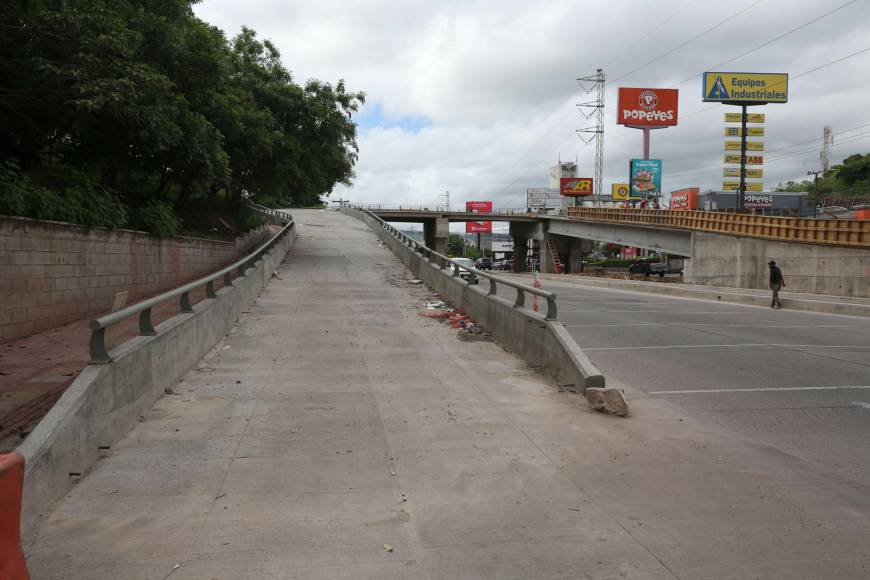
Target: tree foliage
[
  {"x": 848, "y": 179},
  {"x": 140, "y": 111}
]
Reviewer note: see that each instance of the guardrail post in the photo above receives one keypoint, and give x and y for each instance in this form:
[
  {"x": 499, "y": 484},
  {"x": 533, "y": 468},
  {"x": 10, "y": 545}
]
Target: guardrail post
[
  {"x": 228, "y": 280},
  {"x": 551, "y": 308},
  {"x": 146, "y": 328},
  {"x": 241, "y": 272},
  {"x": 99, "y": 354},
  {"x": 455, "y": 270},
  {"x": 521, "y": 298},
  {"x": 492, "y": 288},
  {"x": 185, "y": 302},
  {"x": 209, "y": 290}
]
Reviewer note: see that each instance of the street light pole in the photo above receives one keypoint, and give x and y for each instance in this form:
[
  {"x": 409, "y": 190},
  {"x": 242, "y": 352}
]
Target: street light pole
[{"x": 815, "y": 175}]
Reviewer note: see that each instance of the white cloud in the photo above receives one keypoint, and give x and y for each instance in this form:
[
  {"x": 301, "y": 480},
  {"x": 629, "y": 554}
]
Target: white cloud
[{"x": 497, "y": 82}]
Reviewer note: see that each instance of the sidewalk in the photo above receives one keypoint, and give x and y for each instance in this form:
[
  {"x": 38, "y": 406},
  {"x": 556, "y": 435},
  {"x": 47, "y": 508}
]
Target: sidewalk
[{"x": 335, "y": 433}]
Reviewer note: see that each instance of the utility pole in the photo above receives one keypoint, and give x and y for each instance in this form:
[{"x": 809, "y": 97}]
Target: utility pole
[
  {"x": 589, "y": 83},
  {"x": 815, "y": 175}
]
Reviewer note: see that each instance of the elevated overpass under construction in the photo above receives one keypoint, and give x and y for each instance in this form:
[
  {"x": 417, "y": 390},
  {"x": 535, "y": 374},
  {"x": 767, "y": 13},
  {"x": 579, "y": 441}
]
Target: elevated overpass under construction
[{"x": 821, "y": 256}]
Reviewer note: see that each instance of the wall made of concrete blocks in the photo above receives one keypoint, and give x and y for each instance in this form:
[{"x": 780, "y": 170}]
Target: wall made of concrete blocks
[
  {"x": 53, "y": 273},
  {"x": 736, "y": 262}
]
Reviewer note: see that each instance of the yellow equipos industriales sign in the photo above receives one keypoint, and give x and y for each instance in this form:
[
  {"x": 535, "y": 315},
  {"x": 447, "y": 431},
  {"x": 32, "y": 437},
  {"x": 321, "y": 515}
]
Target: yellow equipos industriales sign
[
  {"x": 750, "y": 117},
  {"x": 750, "y": 159},
  {"x": 735, "y": 185},
  {"x": 750, "y": 146},
  {"x": 750, "y": 131},
  {"x": 750, "y": 173},
  {"x": 741, "y": 87}
]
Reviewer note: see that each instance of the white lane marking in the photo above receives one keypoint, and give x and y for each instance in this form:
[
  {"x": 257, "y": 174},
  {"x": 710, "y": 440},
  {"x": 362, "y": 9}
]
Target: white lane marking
[
  {"x": 768, "y": 389},
  {"x": 860, "y": 404},
  {"x": 722, "y": 346},
  {"x": 675, "y": 311},
  {"x": 716, "y": 324}
]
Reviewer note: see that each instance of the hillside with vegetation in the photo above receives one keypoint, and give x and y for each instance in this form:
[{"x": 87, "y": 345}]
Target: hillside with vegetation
[
  {"x": 851, "y": 178},
  {"x": 120, "y": 113}
]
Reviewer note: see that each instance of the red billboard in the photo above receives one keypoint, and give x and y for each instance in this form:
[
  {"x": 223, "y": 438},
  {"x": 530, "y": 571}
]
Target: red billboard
[
  {"x": 478, "y": 227},
  {"x": 650, "y": 107},
  {"x": 685, "y": 198},
  {"x": 575, "y": 186}
]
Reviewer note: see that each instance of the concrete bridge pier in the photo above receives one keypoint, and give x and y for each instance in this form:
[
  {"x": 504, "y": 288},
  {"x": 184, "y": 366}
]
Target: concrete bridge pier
[
  {"x": 522, "y": 233},
  {"x": 435, "y": 234}
]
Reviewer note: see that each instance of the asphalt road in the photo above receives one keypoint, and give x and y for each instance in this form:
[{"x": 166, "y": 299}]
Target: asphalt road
[{"x": 796, "y": 381}]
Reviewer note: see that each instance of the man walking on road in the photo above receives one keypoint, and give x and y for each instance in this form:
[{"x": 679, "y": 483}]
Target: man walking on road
[{"x": 776, "y": 284}]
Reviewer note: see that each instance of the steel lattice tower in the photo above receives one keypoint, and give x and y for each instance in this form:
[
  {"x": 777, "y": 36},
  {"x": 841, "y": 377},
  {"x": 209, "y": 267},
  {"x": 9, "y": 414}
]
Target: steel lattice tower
[{"x": 595, "y": 111}]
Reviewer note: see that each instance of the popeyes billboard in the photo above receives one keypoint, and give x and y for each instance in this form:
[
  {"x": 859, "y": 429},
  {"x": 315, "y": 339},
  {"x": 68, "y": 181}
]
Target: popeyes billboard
[
  {"x": 685, "y": 198},
  {"x": 651, "y": 107}
]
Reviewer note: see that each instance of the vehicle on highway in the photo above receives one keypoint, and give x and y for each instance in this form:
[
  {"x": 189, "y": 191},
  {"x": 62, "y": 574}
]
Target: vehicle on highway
[
  {"x": 498, "y": 265},
  {"x": 652, "y": 265},
  {"x": 466, "y": 265},
  {"x": 483, "y": 263}
]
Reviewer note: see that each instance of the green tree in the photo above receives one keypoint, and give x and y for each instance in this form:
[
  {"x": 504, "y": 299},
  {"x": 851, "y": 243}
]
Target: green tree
[{"x": 455, "y": 246}]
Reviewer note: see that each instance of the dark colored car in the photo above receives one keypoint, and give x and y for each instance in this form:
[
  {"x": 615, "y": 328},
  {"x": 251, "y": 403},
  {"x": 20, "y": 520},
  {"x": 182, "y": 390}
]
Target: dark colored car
[
  {"x": 483, "y": 263},
  {"x": 652, "y": 265}
]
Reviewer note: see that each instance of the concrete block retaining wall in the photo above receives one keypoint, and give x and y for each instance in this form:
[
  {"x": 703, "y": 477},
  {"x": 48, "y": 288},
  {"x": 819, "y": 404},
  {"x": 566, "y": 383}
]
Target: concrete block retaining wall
[
  {"x": 53, "y": 273},
  {"x": 719, "y": 260},
  {"x": 106, "y": 400},
  {"x": 541, "y": 343}
]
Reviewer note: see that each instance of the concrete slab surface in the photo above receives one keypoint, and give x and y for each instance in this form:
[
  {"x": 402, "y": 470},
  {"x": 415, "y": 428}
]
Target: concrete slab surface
[{"x": 334, "y": 420}]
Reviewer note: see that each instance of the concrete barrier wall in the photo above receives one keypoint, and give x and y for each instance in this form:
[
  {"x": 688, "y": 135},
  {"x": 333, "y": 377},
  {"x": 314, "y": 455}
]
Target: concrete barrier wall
[
  {"x": 53, "y": 273},
  {"x": 719, "y": 260},
  {"x": 105, "y": 401},
  {"x": 542, "y": 343}
]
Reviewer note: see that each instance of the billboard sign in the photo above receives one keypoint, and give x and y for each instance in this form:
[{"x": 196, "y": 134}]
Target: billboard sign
[
  {"x": 750, "y": 159},
  {"x": 750, "y": 131},
  {"x": 685, "y": 198},
  {"x": 645, "y": 177},
  {"x": 742, "y": 87},
  {"x": 756, "y": 201},
  {"x": 543, "y": 198},
  {"x": 750, "y": 117},
  {"x": 750, "y": 173},
  {"x": 478, "y": 227},
  {"x": 652, "y": 107},
  {"x": 750, "y": 145},
  {"x": 575, "y": 186},
  {"x": 620, "y": 191},
  {"x": 735, "y": 185}
]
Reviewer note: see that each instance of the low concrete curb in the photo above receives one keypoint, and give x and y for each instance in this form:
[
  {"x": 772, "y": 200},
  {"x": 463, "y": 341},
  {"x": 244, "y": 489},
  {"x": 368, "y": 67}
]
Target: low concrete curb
[
  {"x": 540, "y": 342},
  {"x": 106, "y": 400},
  {"x": 804, "y": 302}
]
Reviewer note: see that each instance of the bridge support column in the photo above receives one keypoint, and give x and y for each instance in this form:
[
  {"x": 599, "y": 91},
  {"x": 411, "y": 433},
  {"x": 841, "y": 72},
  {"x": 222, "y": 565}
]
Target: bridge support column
[
  {"x": 435, "y": 234},
  {"x": 521, "y": 234}
]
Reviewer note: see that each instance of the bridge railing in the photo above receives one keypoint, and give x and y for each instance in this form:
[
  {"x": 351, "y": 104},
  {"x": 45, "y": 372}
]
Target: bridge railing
[
  {"x": 98, "y": 351},
  {"x": 445, "y": 262},
  {"x": 786, "y": 229},
  {"x": 439, "y": 209}
]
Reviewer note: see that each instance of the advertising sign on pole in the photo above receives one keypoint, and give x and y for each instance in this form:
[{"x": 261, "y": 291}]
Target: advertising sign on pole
[
  {"x": 750, "y": 159},
  {"x": 575, "y": 186},
  {"x": 645, "y": 177},
  {"x": 655, "y": 107},
  {"x": 735, "y": 185},
  {"x": 746, "y": 88},
  {"x": 750, "y": 145},
  {"x": 620, "y": 191},
  {"x": 478, "y": 227},
  {"x": 750, "y": 131},
  {"x": 750, "y": 118},
  {"x": 750, "y": 173}
]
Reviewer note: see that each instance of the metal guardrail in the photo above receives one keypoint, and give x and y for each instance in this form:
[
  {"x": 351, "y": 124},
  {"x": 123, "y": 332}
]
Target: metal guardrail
[
  {"x": 443, "y": 261},
  {"x": 98, "y": 351},
  {"x": 855, "y": 233},
  {"x": 442, "y": 209}
]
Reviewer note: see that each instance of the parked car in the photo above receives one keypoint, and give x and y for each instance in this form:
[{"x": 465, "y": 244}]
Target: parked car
[
  {"x": 483, "y": 263},
  {"x": 466, "y": 265},
  {"x": 498, "y": 265},
  {"x": 652, "y": 265}
]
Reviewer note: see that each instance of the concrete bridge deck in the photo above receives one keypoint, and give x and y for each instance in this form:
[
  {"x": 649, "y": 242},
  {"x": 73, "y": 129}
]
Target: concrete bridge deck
[{"x": 336, "y": 434}]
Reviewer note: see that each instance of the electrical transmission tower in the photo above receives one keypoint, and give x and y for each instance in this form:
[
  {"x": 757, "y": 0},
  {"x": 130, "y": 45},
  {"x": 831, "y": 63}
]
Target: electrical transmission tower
[
  {"x": 594, "y": 110},
  {"x": 825, "y": 154}
]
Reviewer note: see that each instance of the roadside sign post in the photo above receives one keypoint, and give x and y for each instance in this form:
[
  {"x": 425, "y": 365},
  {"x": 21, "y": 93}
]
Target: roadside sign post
[{"x": 744, "y": 90}]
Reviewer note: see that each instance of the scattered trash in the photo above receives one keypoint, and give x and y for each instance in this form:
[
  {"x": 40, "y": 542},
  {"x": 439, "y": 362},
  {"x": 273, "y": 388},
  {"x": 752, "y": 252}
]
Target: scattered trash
[
  {"x": 415, "y": 281},
  {"x": 388, "y": 548},
  {"x": 168, "y": 391},
  {"x": 436, "y": 305},
  {"x": 275, "y": 275}
]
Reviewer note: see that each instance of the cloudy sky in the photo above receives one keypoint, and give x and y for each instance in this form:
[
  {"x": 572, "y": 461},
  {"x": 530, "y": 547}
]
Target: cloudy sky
[{"x": 479, "y": 98}]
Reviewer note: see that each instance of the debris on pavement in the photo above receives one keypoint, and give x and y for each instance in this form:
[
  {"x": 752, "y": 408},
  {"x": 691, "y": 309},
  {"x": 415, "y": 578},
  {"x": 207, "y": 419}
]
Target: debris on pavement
[
  {"x": 388, "y": 548},
  {"x": 436, "y": 305},
  {"x": 608, "y": 400}
]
